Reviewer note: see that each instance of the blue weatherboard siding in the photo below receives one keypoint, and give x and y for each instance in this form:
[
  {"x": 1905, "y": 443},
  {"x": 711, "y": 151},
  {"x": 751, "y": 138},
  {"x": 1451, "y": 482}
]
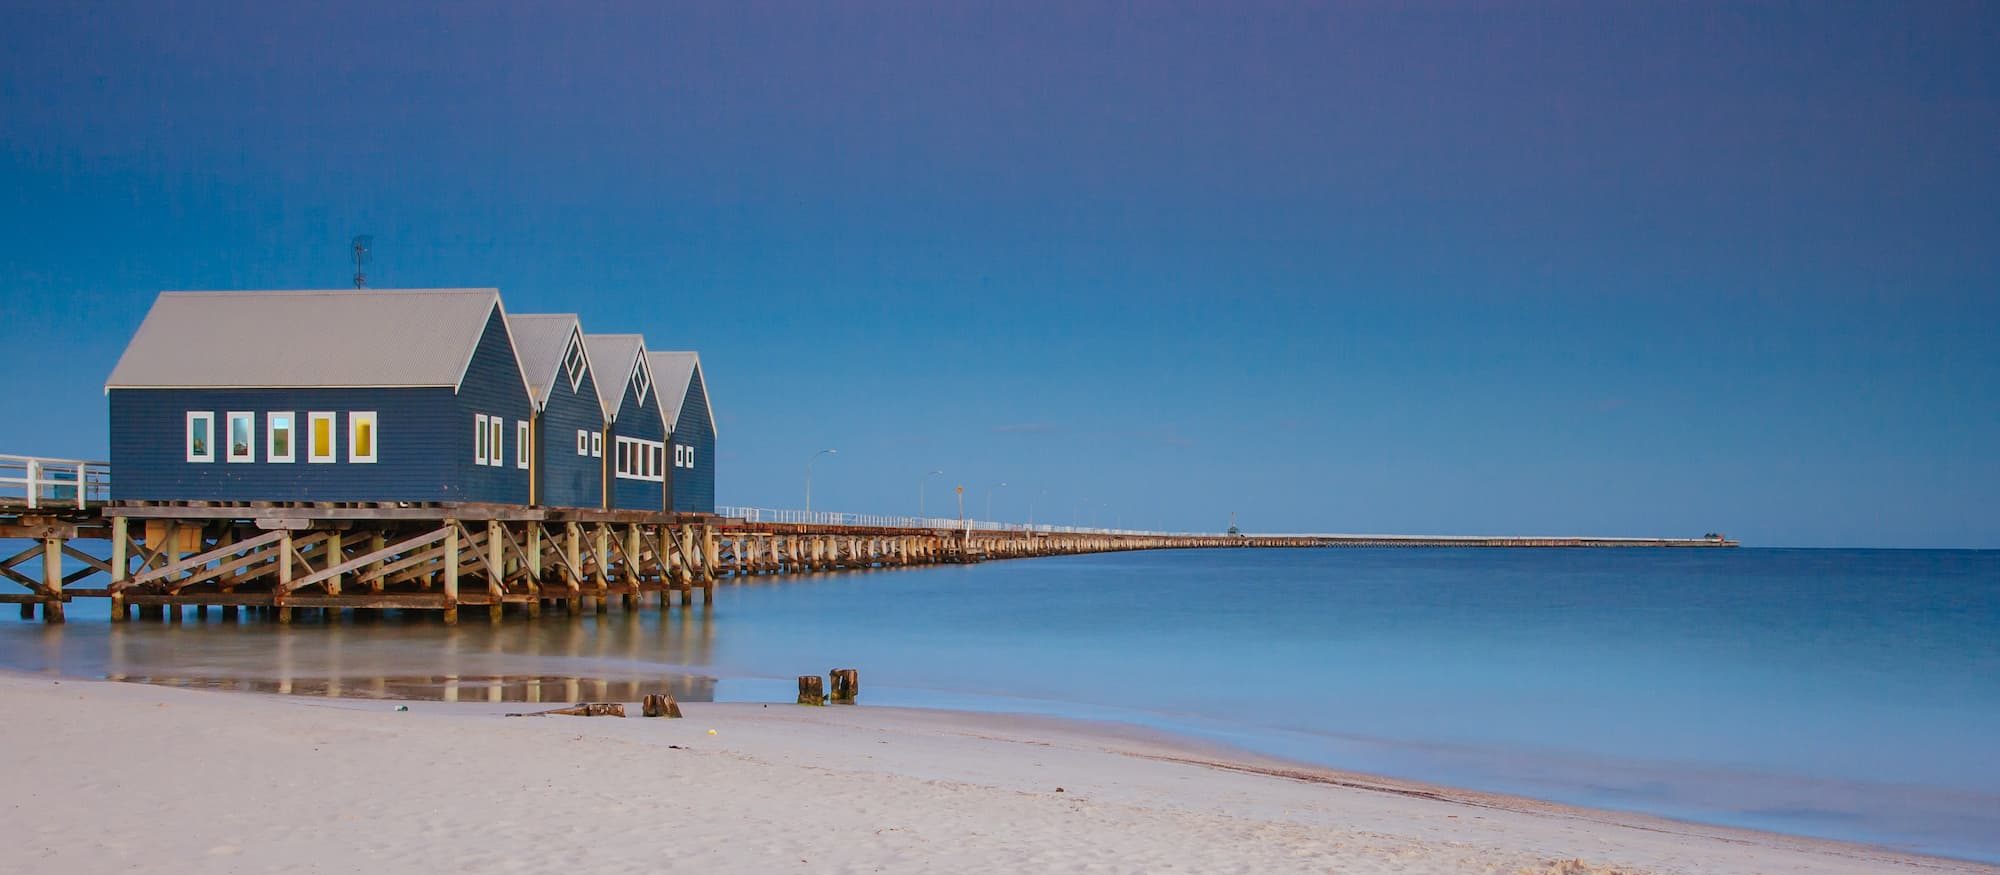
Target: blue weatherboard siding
[
  {"x": 570, "y": 480},
  {"x": 694, "y": 489},
  {"x": 492, "y": 386},
  {"x": 413, "y": 437},
  {"x": 424, "y": 440},
  {"x": 642, "y": 421}
]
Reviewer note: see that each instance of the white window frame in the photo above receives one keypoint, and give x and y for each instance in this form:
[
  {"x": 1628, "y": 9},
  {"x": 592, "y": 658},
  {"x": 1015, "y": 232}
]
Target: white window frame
[
  {"x": 690, "y": 459},
  {"x": 583, "y": 442},
  {"x": 207, "y": 419},
  {"x": 271, "y": 436},
  {"x": 249, "y": 453},
  {"x": 354, "y": 420},
  {"x": 597, "y": 445},
  {"x": 639, "y": 459},
  {"x": 313, "y": 419},
  {"x": 479, "y": 438},
  {"x": 521, "y": 438},
  {"x": 496, "y": 429},
  {"x": 642, "y": 380}
]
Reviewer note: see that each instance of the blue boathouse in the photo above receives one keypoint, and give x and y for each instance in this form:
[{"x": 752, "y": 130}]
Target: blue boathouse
[
  {"x": 566, "y": 432},
  {"x": 635, "y": 434},
  {"x": 321, "y": 396},
  {"x": 690, "y": 422}
]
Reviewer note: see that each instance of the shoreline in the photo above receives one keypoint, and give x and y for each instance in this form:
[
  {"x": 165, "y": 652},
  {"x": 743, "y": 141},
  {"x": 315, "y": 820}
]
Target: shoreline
[{"x": 796, "y": 779}]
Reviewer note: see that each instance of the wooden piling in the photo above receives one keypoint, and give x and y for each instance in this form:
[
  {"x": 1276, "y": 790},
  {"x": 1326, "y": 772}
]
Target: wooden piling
[
  {"x": 120, "y": 569},
  {"x": 52, "y": 578},
  {"x": 846, "y": 683},
  {"x": 451, "y": 573},
  {"x": 812, "y": 690}
]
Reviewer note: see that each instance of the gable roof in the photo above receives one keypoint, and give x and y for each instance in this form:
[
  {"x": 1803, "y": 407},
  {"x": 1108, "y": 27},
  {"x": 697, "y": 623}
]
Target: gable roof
[
  {"x": 543, "y": 340},
  {"x": 675, "y": 372},
  {"x": 621, "y": 354},
  {"x": 307, "y": 339}
]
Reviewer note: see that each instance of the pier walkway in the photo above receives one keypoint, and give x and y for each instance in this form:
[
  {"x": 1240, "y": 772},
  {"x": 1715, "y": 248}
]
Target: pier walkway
[{"x": 274, "y": 559}]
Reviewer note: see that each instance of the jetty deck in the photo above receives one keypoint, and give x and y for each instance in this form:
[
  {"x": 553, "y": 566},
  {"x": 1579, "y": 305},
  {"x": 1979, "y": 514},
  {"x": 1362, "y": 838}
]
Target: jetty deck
[{"x": 274, "y": 559}]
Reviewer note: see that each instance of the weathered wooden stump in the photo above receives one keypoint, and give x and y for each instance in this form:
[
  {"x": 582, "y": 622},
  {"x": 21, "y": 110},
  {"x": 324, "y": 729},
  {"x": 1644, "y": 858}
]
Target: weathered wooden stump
[
  {"x": 661, "y": 705},
  {"x": 846, "y": 684},
  {"x": 582, "y": 709},
  {"x": 812, "y": 690}
]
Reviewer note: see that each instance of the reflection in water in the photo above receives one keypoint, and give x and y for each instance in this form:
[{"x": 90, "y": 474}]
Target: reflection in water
[
  {"x": 446, "y": 688},
  {"x": 609, "y": 657}
]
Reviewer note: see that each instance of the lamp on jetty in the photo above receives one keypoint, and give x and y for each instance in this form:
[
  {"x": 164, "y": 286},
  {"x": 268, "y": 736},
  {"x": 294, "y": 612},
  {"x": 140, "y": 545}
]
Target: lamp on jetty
[
  {"x": 809, "y": 479},
  {"x": 924, "y": 486}
]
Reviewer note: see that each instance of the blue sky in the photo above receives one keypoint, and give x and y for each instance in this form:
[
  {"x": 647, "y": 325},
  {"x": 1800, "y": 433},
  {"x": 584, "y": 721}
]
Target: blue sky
[{"x": 1574, "y": 268}]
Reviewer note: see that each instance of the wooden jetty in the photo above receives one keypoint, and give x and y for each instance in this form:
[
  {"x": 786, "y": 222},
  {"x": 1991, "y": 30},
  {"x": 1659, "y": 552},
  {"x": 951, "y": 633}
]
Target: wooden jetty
[{"x": 277, "y": 558}]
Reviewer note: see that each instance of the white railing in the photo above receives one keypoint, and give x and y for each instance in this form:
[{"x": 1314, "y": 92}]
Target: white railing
[
  {"x": 54, "y": 483},
  {"x": 877, "y": 521}
]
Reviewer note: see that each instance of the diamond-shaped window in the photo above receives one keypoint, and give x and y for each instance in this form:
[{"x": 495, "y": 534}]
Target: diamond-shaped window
[
  {"x": 573, "y": 363},
  {"x": 640, "y": 381}
]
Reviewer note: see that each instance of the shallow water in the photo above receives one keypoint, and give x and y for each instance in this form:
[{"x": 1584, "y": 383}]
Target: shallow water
[{"x": 1846, "y": 694}]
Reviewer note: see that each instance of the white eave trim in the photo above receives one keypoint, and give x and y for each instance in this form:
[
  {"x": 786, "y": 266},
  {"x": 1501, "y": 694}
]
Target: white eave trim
[
  {"x": 526, "y": 388},
  {"x": 196, "y": 386}
]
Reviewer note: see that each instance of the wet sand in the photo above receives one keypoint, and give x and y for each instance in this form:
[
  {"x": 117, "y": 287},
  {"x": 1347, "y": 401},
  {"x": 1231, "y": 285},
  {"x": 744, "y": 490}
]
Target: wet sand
[{"x": 116, "y": 777}]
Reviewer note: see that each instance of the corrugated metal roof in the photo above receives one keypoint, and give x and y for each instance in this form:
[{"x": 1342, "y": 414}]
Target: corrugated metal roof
[
  {"x": 541, "y": 339},
  {"x": 306, "y": 339},
  {"x": 674, "y": 371},
  {"x": 613, "y": 357}
]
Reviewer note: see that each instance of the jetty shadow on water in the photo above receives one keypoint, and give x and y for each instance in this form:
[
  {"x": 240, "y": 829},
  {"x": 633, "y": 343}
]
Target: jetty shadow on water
[{"x": 618, "y": 656}]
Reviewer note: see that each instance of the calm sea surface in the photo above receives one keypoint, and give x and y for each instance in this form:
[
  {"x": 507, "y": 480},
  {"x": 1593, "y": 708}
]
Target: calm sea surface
[{"x": 1851, "y": 694}]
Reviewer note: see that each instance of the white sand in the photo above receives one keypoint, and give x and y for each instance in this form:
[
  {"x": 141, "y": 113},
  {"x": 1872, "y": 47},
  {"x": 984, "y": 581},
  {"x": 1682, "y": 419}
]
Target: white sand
[{"x": 103, "y": 777}]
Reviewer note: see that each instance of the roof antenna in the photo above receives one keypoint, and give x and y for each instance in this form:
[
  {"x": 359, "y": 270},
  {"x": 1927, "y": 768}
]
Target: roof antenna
[{"x": 361, "y": 245}]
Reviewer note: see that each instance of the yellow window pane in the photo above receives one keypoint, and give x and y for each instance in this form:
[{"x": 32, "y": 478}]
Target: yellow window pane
[
  {"x": 322, "y": 439},
  {"x": 364, "y": 439}
]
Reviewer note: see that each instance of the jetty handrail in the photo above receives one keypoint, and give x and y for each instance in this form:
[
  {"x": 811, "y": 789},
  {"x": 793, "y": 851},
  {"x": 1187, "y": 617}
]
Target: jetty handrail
[
  {"x": 880, "y": 521},
  {"x": 54, "y": 483}
]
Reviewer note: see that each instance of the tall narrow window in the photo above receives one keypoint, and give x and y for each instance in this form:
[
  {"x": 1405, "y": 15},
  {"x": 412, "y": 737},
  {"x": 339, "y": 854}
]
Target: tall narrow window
[
  {"x": 582, "y": 442},
  {"x": 242, "y": 437},
  {"x": 521, "y": 444},
  {"x": 319, "y": 436},
  {"x": 690, "y": 463},
  {"x": 597, "y": 445},
  {"x": 361, "y": 436},
  {"x": 278, "y": 437},
  {"x": 200, "y": 436},
  {"x": 496, "y": 429},
  {"x": 479, "y": 438}
]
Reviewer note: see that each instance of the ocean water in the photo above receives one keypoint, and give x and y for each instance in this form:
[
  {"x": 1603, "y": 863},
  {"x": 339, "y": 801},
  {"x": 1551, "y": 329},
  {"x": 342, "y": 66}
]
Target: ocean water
[{"x": 1850, "y": 694}]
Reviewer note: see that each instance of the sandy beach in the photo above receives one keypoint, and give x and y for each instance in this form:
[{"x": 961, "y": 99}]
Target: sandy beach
[{"x": 108, "y": 777}]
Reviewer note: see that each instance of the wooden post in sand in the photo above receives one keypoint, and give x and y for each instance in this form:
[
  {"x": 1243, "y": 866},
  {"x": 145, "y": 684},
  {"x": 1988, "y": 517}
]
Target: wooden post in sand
[
  {"x": 660, "y": 705},
  {"x": 846, "y": 685},
  {"x": 812, "y": 691}
]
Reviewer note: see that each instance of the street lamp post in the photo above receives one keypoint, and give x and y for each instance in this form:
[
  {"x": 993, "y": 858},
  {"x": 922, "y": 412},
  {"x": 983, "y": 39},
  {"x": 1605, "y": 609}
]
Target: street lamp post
[
  {"x": 923, "y": 486},
  {"x": 809, "y": 479},
  {"x": 989, "y": 499}
]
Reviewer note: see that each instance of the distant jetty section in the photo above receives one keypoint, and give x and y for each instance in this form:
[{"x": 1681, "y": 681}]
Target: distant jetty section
[{"x": 1326, "y": 540}]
